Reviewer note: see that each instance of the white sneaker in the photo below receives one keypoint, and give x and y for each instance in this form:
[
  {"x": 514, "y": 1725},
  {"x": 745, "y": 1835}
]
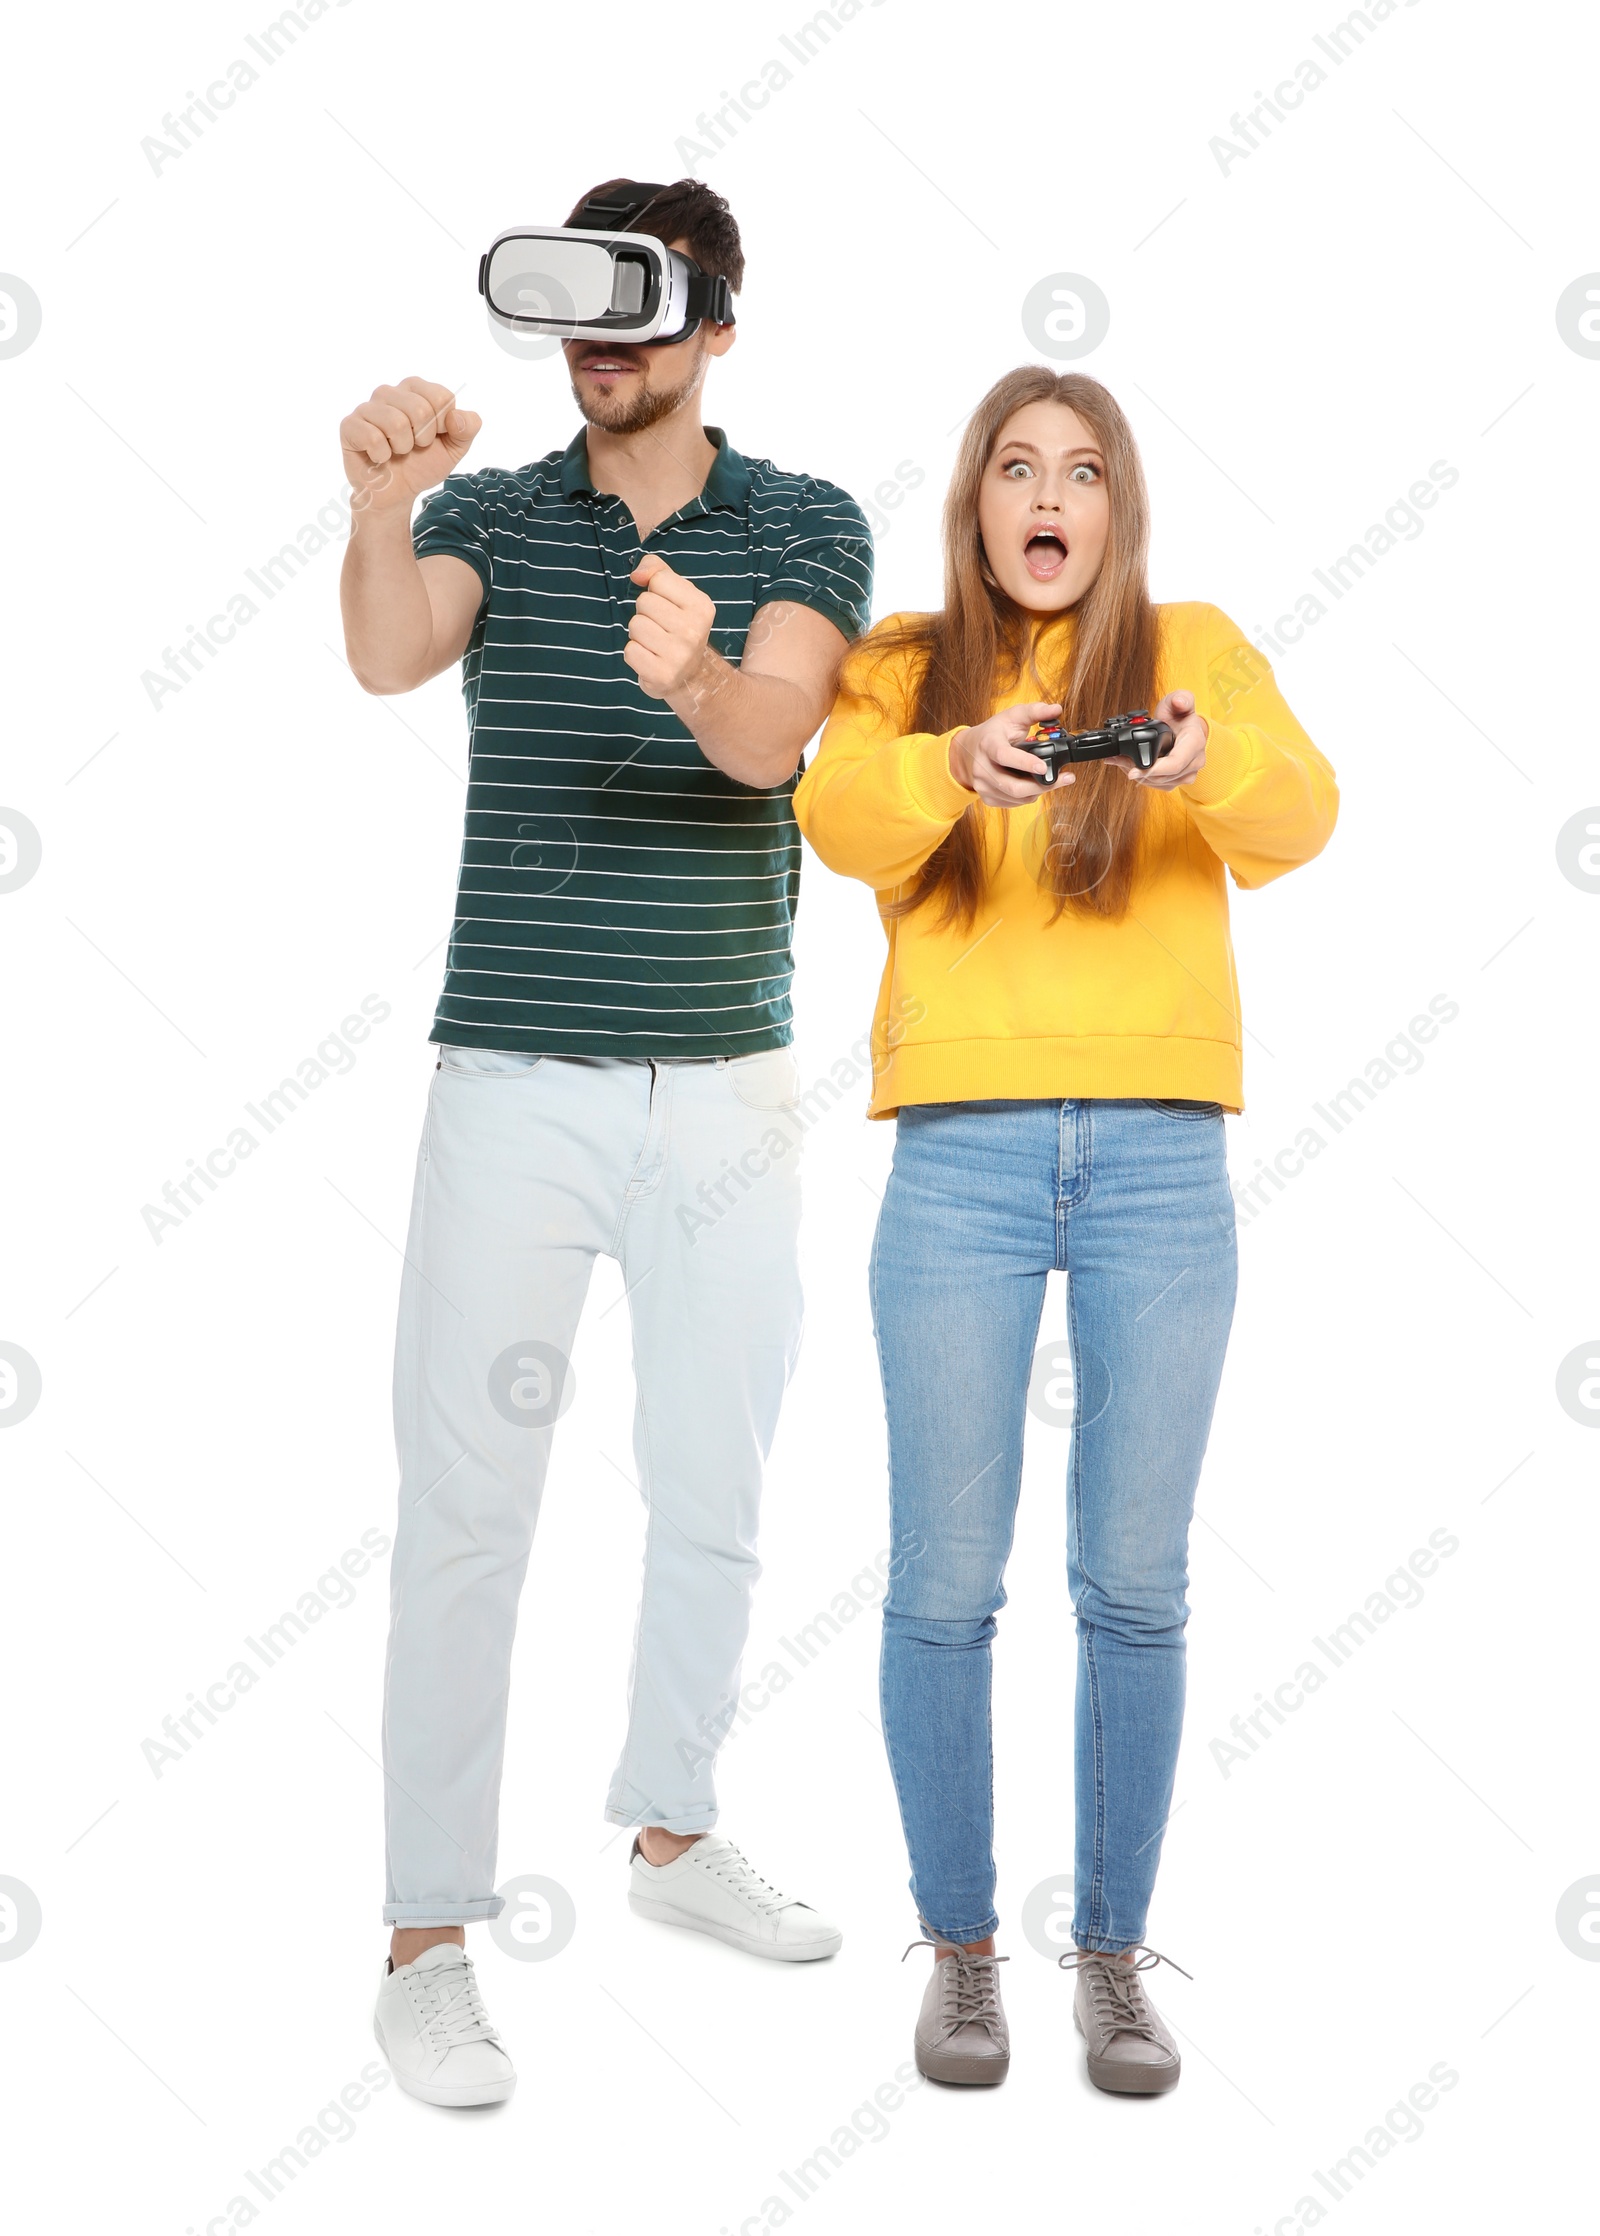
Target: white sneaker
[
  {"x": 432, "y": 2027},
  {"x": 711, "y": 1889}
]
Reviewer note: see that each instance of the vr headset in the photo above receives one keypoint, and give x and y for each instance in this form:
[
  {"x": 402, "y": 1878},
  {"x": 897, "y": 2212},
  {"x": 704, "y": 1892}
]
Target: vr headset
[{"x": 593, "y": 280}]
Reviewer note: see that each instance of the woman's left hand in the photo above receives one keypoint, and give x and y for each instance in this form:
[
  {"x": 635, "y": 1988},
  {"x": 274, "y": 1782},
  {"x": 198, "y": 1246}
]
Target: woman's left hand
[{"x": 1188, "y": 755}]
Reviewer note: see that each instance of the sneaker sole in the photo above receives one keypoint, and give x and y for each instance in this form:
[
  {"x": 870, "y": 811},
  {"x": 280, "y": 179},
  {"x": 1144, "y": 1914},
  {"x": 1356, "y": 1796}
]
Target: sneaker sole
[
  {"x": 666, "y": 1913},
  {"x": 960, "y": 2070},
  {"x": 1119, "y": 2078},
  {"x": 427, "y": 2092}
]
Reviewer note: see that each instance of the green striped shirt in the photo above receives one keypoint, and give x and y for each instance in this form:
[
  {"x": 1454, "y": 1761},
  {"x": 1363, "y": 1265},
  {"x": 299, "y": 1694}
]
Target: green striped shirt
[{"x": 618, "y": 895}]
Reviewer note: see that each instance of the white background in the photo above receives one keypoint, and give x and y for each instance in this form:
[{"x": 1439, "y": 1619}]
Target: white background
[{"x": 1373, "y": 1892}]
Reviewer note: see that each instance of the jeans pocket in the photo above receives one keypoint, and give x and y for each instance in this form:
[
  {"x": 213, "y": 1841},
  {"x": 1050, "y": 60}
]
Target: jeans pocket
[
  {"x": 486, "y": 1063},
  {"x": 767, "y": 1081},
  {"x": 1178, "y": 1108}
]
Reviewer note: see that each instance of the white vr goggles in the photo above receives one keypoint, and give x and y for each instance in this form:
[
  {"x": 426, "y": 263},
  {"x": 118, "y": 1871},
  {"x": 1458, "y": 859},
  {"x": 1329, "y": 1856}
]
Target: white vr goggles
[{"x": 593, "y": 280}]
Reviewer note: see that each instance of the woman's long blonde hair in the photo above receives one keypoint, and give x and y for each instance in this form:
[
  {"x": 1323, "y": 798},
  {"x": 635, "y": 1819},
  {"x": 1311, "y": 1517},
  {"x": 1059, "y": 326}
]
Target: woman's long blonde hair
[{"x": 980, "y": 637}]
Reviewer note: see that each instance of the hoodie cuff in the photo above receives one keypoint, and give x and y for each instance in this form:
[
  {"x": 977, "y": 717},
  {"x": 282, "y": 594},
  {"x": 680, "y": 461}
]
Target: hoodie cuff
[
  {"x": 1230, "y": 756},
  {"x": 934, "y": 791}
]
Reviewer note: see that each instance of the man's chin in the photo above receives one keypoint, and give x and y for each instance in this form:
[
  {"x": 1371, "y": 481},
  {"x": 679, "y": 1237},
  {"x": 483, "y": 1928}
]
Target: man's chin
[
  {"x": 631, "y": 411},
  {"x": 616, "y": 408}
]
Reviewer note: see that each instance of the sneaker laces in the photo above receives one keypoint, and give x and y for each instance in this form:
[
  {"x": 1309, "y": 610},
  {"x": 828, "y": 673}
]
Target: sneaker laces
[
  {"x": 969, "y": 1988},
  {"x": 1115, "y": 1988},
  {"x": 457, "y": 2016},
  {"x": 741, "y": 1878}
]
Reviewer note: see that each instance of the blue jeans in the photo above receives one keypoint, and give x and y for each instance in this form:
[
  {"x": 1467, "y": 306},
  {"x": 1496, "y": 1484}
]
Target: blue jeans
[{"x": 1131, "y": 1200}]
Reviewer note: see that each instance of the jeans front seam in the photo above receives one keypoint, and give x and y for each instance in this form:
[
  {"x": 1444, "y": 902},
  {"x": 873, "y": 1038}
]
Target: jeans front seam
[
  {"x": 1061, "y": 1186},
  {"x": 642, "y": 1180}
]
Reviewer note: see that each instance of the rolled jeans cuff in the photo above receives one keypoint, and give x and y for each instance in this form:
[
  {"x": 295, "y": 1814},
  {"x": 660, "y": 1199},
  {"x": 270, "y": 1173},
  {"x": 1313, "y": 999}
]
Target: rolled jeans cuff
[
  {"x": 443, "y": 1913},
  {"x": 964, "y": 1935},
  {"x": 697, "y": 1820}
]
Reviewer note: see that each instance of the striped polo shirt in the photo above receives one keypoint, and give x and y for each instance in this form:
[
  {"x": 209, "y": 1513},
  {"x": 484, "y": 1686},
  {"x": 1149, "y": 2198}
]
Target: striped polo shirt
[{"x": 618, "y": 895}]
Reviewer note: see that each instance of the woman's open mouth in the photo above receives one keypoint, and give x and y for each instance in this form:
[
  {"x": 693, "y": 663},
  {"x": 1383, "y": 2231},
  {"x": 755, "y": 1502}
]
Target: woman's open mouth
[{"x": 1045, "y": 554}]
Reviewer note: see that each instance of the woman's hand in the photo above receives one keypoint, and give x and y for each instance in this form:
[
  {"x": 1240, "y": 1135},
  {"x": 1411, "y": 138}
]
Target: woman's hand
[
  {"x": 1188, "y": 755},
  {"x": 991, "y": 760}
]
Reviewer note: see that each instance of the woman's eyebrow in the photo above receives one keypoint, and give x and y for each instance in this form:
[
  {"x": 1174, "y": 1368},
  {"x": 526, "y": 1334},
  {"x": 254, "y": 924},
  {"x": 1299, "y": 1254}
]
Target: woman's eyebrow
[{"x": 1084, "y": 450}]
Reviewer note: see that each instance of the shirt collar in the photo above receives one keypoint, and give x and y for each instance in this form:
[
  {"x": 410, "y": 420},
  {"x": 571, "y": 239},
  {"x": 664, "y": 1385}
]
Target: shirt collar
[{"x": 726, "y": 485}]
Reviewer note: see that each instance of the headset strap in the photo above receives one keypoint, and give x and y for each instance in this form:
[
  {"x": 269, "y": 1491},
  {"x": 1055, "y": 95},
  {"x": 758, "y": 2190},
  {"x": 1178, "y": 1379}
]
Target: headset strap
[
  {"x": 615, "y": 210},
  {"x": 710, "y": 297}
]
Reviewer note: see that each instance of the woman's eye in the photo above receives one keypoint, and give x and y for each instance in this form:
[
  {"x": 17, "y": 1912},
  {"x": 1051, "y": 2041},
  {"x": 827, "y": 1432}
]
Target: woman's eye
[
  {"x": 1015, "y": 468},
  {"x": 1085, "y": 473}
]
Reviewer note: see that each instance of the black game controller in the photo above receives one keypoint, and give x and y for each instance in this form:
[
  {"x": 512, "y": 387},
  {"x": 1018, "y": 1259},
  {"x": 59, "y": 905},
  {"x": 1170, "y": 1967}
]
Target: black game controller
[{"x": 1134, "y": 735}]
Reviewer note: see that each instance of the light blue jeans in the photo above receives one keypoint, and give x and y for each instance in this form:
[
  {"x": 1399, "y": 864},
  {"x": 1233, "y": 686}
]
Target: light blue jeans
[
  {"x": 531, "y": 1168},
  {"x": 1131, "y": 1200}
]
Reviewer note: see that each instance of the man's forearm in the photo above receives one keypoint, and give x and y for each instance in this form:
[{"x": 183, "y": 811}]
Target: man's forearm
[
  {"x": 752, "y": 727},
  {"x": 388, "y": 619}
]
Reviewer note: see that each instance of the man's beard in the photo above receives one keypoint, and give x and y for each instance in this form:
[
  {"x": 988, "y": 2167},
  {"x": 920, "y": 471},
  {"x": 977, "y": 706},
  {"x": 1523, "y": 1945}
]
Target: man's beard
[{"x": 617, "y": 417}]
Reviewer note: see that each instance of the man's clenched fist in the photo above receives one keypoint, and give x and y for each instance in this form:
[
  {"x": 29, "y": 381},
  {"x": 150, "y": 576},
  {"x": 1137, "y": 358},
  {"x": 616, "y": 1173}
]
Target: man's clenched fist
[
  {"x": 670, "y": 630},
  {"x": 402, "y": 441}
]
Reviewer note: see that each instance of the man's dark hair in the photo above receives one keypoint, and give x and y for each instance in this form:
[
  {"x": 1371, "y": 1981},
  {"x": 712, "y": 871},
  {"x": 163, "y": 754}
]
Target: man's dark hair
[{"x": 687, "y": 210}]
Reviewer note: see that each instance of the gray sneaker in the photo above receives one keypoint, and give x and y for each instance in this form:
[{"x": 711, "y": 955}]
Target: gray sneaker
[
  {"x": 1131, "y": 2050},
  {"x": 961, "y": 2032}
]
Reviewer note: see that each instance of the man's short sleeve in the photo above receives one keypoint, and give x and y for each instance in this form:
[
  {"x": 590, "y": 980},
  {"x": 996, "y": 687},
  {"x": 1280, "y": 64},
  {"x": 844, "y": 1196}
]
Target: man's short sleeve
[
  {"x": 826, "y": 560},
  {"x": 452, "y": 521}
]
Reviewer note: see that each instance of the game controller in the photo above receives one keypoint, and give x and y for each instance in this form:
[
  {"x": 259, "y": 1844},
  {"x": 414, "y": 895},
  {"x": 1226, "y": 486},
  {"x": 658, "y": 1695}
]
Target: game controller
[{"x": 1133, "y": 735}]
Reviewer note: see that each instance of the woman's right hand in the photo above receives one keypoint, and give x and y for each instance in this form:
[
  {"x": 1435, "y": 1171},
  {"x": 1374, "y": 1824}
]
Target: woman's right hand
[{"x": 991, "y": 760}]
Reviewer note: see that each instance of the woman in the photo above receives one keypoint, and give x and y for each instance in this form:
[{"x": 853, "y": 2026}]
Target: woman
[{"x": 1064, "y": 952}]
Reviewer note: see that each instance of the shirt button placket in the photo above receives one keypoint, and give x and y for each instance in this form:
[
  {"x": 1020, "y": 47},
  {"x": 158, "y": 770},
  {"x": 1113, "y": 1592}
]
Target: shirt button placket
[{"x": 619, "y": 555}]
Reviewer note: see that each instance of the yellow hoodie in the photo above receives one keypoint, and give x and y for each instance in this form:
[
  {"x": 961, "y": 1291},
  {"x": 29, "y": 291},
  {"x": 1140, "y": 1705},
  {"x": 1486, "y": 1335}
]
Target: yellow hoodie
[{"x": 1013, "y": 1006}]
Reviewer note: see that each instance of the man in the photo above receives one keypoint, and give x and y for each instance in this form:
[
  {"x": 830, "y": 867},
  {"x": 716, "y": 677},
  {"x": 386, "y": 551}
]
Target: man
[{"x": 650, "y": 627}]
